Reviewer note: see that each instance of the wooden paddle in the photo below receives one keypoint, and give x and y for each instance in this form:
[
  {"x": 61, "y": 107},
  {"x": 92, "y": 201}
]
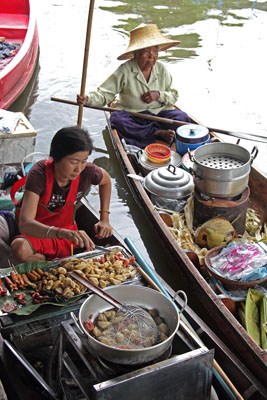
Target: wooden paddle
[
  {"x": 240, "y": 135},
  {"x": 85, "y": 59}
]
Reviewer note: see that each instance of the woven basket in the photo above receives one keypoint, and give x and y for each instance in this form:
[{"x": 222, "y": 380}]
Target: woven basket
[{"x": 228, "y": 283}]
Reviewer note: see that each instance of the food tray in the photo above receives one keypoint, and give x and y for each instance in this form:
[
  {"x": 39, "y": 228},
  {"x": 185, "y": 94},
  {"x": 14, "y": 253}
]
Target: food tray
[{"x": 52, "y": 297}]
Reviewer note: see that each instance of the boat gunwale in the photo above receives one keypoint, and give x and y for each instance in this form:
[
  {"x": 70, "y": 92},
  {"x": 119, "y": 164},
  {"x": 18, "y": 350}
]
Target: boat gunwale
[{"x": 225, "y": 317}]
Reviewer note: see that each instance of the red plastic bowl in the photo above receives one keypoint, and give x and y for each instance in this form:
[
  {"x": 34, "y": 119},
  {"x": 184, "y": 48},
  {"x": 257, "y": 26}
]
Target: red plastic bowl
[{"x": 157, "y": 152}]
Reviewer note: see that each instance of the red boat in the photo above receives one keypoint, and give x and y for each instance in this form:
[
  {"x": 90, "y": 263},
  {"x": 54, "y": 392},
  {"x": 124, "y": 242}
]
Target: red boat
[{"x": 20, "y": 46}]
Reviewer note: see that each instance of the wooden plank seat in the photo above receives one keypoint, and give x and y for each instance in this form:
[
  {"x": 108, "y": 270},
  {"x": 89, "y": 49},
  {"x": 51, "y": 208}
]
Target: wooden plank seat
[
  {"x": 11, "y": 27},
  {"x": 19, "y": 22}
]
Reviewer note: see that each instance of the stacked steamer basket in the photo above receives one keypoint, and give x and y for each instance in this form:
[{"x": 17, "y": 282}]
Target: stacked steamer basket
[{"x": 221, "y": 173}]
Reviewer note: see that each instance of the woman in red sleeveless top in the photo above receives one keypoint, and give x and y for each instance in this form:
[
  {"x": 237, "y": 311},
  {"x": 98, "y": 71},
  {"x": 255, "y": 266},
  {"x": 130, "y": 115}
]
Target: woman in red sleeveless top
[{"x": 53, "y": 190}]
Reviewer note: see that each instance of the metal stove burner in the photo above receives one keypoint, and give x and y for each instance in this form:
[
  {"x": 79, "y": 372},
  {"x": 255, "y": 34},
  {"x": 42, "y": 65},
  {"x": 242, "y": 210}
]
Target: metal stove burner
[
  {"x": 72, "y": 372},
  {"x": 123, "y": 368},
  {"x": 82, "y": 375},
  {"x": 100, "y": 367},
  {"x": 207, "y": 198}
]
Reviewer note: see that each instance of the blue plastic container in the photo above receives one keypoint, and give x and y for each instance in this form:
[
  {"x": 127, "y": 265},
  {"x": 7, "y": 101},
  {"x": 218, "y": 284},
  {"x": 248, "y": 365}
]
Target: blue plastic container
[{"x": 190, "y": 136}]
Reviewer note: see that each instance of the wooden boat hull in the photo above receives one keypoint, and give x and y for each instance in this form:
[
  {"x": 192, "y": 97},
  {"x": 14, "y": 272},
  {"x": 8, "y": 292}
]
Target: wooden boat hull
[
  {"x": 211, "y": 308},
  {"x": 242, "y": 378},
  {"x": 18, "y": 25}
]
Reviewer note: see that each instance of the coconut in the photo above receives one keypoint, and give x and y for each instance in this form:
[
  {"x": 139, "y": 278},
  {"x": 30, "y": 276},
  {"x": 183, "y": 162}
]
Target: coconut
[{"x": 215, "y": 232}]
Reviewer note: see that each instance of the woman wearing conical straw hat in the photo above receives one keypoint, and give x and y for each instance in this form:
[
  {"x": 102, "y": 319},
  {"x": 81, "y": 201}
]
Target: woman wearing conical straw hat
[{"x": 141, "y": 84}]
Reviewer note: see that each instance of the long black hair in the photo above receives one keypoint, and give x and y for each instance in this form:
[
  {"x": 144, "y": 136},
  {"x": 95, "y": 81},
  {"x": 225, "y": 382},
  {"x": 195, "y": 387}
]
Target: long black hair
[{"x": 69, "y": 140}]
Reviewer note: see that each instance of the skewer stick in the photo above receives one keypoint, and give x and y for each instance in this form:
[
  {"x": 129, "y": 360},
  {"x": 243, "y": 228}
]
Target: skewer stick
[
  {"x": 12, "y": 266},
  {"x": 85, "y": 60},
  {"x": 71, "y": 249},
  {"x": 240, "y": 135}
]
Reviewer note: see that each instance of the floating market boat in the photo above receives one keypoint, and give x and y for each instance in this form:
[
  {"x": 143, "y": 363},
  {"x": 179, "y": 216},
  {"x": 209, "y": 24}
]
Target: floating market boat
[
  {"x": 19, "y": 46},
  {"x": 215, "y": 304},
  {"x": 42, "y": 346}
]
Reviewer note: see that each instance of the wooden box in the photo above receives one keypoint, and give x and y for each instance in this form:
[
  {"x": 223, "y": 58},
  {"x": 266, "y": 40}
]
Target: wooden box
[{"x": 17, "y": 137}]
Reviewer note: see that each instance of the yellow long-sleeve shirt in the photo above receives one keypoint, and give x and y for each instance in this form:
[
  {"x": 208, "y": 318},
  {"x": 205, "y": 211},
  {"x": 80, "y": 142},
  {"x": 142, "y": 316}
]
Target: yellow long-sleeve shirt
[{"x": 127, "y": 84}]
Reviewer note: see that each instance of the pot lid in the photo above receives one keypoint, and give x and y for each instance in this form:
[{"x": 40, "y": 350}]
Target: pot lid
[
  {"x": 186, "y": 162},
  {"x": 169, "y": 182},
  {"x": 175, "y": 160},
  {"x": 192, "y": 133}
]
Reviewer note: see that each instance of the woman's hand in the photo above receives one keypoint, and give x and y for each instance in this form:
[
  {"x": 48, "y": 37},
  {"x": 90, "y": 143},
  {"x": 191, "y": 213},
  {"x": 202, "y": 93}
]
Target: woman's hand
[
  {"x": 103, "y": 229},
  {"x": 82, "y": 100},
  {"x": 79, "y": 238},
  {"x": 150, "y": 96}
]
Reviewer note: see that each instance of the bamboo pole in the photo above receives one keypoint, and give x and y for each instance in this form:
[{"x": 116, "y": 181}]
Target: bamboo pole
[
  {"x": 240, "y": 135},
  {"x": 85, "y": 59}
]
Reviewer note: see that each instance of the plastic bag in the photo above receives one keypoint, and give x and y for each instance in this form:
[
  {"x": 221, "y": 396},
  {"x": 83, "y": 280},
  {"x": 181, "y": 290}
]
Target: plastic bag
[
  {"x": 241, "y": 261},
  {"x": 168, "y": 204}
]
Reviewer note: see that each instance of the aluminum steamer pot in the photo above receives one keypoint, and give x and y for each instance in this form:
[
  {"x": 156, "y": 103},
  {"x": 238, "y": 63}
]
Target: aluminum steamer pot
[
  {"x": 222, "y": 169},
  {"x": 137, "y": 295},
  {"x": 167, "y": 182}
]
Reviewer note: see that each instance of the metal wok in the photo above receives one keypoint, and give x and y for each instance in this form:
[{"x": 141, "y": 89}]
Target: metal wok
[{"x": 137, "y": 295}]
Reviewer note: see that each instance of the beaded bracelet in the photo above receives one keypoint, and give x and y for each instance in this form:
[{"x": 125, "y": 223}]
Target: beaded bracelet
[{"x": 48, "y": 230}]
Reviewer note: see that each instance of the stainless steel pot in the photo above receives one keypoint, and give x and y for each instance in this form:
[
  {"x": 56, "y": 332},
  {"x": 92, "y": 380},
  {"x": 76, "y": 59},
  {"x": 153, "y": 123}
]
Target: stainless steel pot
[
  {"x": 146, "y": 165},
  {"x": 221, "y": 169},
  {"x": 137, "y": 295},
  {"x": 167, "y": 182}
]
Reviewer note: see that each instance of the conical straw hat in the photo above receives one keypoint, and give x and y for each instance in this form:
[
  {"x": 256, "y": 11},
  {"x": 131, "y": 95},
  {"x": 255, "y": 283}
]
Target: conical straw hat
[{"x": 146, "y": 36}]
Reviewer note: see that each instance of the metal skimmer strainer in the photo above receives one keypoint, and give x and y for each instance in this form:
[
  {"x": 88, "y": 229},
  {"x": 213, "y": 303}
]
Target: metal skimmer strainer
[{"x": 146, "y": 325}]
